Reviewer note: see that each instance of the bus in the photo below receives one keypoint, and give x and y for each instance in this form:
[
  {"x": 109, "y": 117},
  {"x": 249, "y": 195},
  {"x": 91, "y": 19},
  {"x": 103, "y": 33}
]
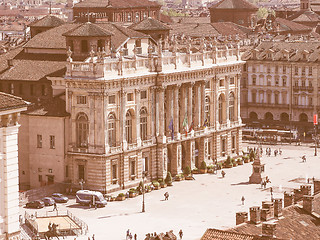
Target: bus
[{"x": 87, "y": 197}]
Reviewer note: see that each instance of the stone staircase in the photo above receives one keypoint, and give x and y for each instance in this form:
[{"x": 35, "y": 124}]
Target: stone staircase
[{"x": 26, "y": 233}]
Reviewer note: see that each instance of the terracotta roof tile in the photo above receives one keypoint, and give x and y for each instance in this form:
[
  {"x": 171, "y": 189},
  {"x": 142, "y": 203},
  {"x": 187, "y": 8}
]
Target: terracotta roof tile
[
  {"x": 48, "y": 21},
  {"x": 234, "y": 4},
  {"x": 8, "y": 101},
  {"x": 149, "y": 24},
  {"x": 215, "y": 234},
  {"x": 117, "y": 3},
  {"x": 305, "y": 16},
  {"x": 87, "y": 30}
]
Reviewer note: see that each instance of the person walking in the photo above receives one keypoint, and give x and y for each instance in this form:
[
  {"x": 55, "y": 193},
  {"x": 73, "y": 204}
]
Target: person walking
[
  {"x": 242, "y": 200},
  {"x": 180, "y": 234},
  {"x": 166, "y": 196},
  {"x": 55, "y": 206},
  {"x": 223, "y": 173},
  {"x": 135, "y": 236},
  {"x": 128, "y": 234}
]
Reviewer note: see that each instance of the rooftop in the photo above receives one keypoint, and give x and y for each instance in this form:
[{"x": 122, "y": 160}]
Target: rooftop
[
  {"x": 117, "y": 3},
  {"x": 234, "y": 4}
]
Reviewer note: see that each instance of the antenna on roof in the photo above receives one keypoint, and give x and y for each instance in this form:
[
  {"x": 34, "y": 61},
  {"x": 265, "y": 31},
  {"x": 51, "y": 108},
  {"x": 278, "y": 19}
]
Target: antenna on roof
[{"x": 50, "y": 7}]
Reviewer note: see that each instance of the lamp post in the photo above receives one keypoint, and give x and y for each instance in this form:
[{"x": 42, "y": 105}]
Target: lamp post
[
  {"x": 144, "y": 174},
  {"x": 315, "y": 123}
]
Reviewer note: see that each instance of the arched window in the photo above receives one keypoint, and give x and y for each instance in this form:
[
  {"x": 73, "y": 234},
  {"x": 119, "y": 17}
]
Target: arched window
[
  {"x": 128, "y": 127},
  {"x": 82, "y": 130},
  {"x": 231, "y": 107},
  {"x": 268, "y": 116},
  {"x": 143, "y": 124},
  {"x": 303, "y": 117},
  {"x": 207, "y": 109},
  {"x": 253, "y": 116},
  {"x": 284, "y": 117},
  {"x": 112, "y": 130}
]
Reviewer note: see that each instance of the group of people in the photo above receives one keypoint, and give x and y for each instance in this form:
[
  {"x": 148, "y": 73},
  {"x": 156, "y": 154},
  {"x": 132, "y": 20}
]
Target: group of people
[
  {"x": 264, "y": 182},
  {"x": 276, "y": 152},
  {"x": 129, "y": 235}
]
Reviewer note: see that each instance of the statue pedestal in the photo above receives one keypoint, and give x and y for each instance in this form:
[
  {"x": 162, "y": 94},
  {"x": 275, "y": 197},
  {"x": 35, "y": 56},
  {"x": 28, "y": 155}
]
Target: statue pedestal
[{"x": 257, "y": 171}]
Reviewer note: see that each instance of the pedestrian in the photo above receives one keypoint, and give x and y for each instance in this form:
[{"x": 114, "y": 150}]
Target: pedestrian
[
  {"x": 93, "y": 237},
  {"x": 135, "y": 236},
  {"x": 280, "y": 151},
  {"x": 55, "y": 206},
  {"x": 223, "y": 173},
  {"x": 128, "y": 234},
  {"x": 304, "y": 159},
  {"x": 180, "y": 234},
  {"x": 166, "y": 196},
  {"x": 242, "y": 200},
  {"x": 88, "y": 238}
]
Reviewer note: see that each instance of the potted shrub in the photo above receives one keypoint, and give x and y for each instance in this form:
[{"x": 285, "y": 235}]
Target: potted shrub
[
  {"x": 148, "y": 188},
  {"x": 177, "y": 178},
  {"x": 132, "y": 193},
  {"x": 245, "y": 158},
  {"x": 195, "y": 171},
  {"x": 234, "y": 163},
  {"x": 168, "y": 179},
  {"x": 112, "y": 198},
  {"x": 210, "y": 169},
  {"x": 121, "y": 197},
  {"x": 228, "y": 163},
  {"x": 187, "y": 171},
  {"x": 162, "y": 183},
  {"x": 203, "y": 167},
  {"x": 156, "y": 185},
  {"x": 240, "y": 161},
  {"x": 219, "y": 166}
]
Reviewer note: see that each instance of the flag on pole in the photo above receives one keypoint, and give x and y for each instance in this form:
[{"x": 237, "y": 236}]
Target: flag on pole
[
  {"x": 205, "y": 124},
  {"x": 191, "y": 126},
  {"x": 185, "y": 124},
  {"x": 315, "y": 119},
  {"x": 171, "y": 128}
]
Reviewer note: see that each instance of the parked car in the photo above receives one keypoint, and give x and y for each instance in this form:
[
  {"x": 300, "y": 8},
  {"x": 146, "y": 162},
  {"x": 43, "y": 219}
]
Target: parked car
[
  {"x": 59, "y": 198},
  {"x": 35, "y": 204},
  {"x": 48, "y": 201}
]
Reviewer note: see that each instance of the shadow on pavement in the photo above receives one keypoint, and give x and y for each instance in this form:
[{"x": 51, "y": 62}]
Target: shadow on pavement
[
  {"x": 240, "y": 183},
  {"x": 77, "y": 206},
  {"x": 118, "y": 215}
]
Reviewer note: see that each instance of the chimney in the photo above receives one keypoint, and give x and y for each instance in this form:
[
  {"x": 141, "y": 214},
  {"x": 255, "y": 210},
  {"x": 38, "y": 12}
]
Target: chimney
[
  {"x": 297, "y": 195},
  {"x": 267, "y": 211},
  {"x": 10, "y": 63},
  {"x": 288, "y": 199},
  {"x": 306, "y": 190},
  {"x": 308, "y": 203},
  {"x": 269, "y": 230},
  {"x": 241, "y": 217},
  {"x": 316, "y": 186},
  {"x": 255, "y": 213},
  {"x": 277, "y": 202},
  {"x": 304, "y": 4}
]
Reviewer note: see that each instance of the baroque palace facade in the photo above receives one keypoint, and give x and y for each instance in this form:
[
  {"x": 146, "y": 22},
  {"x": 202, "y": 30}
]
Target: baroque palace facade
[
  {"x": 280, "y": 84},
  {"x": 157, "y": 113}
]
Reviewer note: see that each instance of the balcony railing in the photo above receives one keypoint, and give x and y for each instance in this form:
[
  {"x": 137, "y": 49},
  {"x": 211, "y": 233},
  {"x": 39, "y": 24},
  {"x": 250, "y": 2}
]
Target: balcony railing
[
  {"x": 147, "y": 142},
  {"x": 132, "y": 146},
  {"x": 303, "y": 88},
  {"x": 115, "y": 149}
]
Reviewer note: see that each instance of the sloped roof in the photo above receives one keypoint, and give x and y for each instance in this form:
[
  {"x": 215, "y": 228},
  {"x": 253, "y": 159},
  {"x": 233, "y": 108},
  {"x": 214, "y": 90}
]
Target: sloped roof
[
  {"x": 54, "y": 39},
  {"x": 30, "y": 70},
  {"x": 117, "y": 4},
  {"x": 8, "y": 101},
  {"x": 149, "y": 24},
  {"x": 209, "y": 29},
  {"x": 87, "y": 30},
  {"x": 234, "y": 4},
  {"x": 215, "y": 234},
  {"x": 47, "y": 21},
  {"x": 287, "y": 25},
  {"x": 53, "y": 107},
  {"x": 305, "y": 16}
]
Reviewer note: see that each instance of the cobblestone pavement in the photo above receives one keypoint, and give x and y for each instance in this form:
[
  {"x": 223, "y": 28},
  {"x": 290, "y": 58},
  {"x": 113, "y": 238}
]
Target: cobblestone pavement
[{"x": 193, "y": 206}]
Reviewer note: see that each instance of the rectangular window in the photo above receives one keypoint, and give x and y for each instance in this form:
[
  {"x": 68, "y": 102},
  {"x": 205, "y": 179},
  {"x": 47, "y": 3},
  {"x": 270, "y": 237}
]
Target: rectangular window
[
  {"x": 254, "y": 97},
  {"x": 112, "y": 99},
  {"x": 43, "y": 90},
  {"x": 223, "y": 147},
  {"x": 207, "y": 84},
  {"x": 84, "y": 46},
  {"x": 253, "y": 69},
  {"x": 52, "y": 142},
  {"x": 310, "y": 101},
  {"x": 146, "y": 164},
  {"x": 132, "y": 168},
  {"x": 233, "y": 144},
  {"x": 303, "y": 71},
  {"x": 81, "y": 99},
  {"x": 39, "y": 141},
  {"x": 254, "y": 81},
  {"x": 276, "y": 69},
  {"x": 221, "y": 82},
  {"x": 67, "y": 171},
  {"x": 284, "y": 82},
  {"x": 143, "y": 95},
  {"x": 296, "y": 70},
  {"x": 50, "y": 170},
  {"x": 114, "y": 173},
  {"x": 81, "y": 172},
  {"x": 310, "y": 71},
  {"x": 284, "y": 69},
  {"x": 40, "y": 178},
  {"x": 232, "y": 80},
  {"x": 268, "y": 69},
  {"x": 130, "y": 97}
]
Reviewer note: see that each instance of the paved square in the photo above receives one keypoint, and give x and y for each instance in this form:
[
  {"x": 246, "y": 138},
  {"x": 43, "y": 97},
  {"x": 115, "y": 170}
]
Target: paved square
[{"x": 209, "y": 202}]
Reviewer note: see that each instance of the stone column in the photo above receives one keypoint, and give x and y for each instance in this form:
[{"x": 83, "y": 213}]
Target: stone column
[
  {"x": 227, "y": 82},
  {"x": 137, "y": 98},
  {"x": 169, "y": 109},
  {"x": 238, "y": 79},
  {"x": 152, "y": 112},
  {"x": 189, "y": 104},
  {"x": 175, "y": 109},
  {"x": 123, "y": 103},
  {"x": 183, "y": 105},
  {"x": 160, "y": 113},
  {"x": 203, "y": 95},
  {"x": 197, "y": 117}
]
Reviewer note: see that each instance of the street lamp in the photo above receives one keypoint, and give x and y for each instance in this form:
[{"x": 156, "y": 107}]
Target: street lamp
[
  {"x": 271, "y": 193},
  {"x": 315, "y": 124},
  {"x": 144, "y": 174}
]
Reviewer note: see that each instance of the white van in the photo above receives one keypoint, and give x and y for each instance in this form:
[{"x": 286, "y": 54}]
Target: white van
[{"x": 87, "y": 197}]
